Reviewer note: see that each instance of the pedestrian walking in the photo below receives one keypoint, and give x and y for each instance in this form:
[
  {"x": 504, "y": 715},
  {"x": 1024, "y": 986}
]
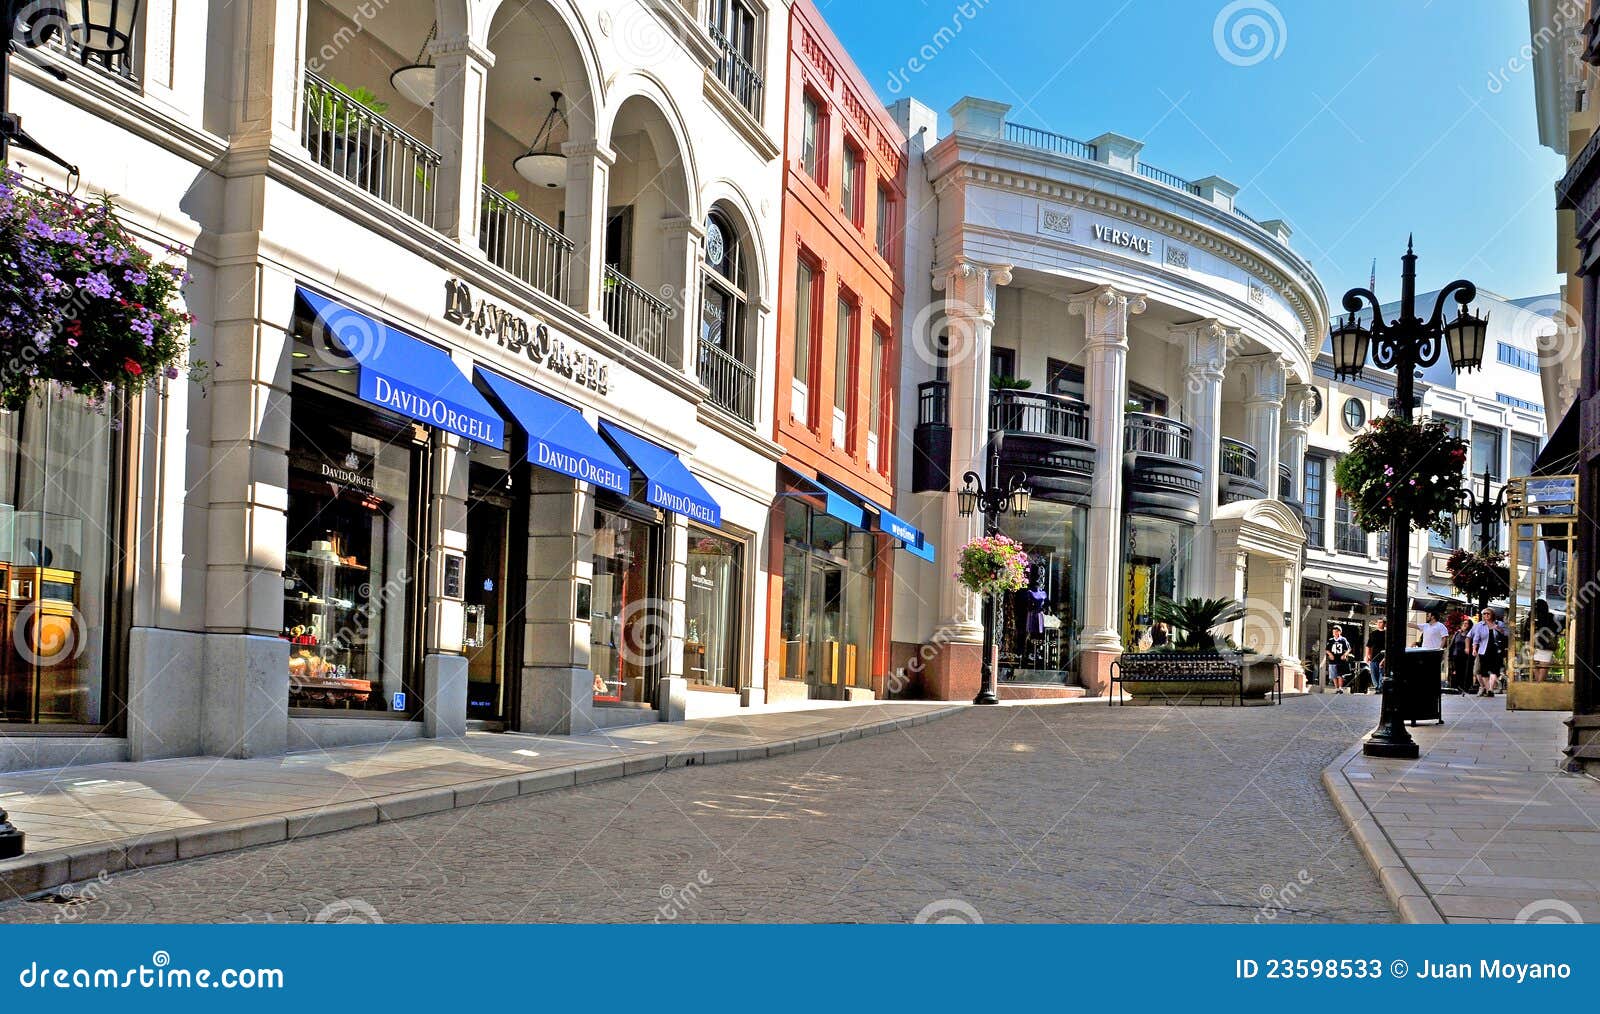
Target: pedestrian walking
[
  {"x": 1377, "y": 640},
  {"x": 1338, "y": 653},
  {"x": 1488, "y": 653},
  {"x": 1461, "y": 657},
  {"x": 1541, "y": 631}
]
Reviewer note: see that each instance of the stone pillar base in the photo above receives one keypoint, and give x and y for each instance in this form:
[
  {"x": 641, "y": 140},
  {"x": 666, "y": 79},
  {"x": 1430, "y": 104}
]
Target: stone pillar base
[
  {"x": 1094, "y": 670},
  {"x": 166, "y": 682},
  {"x": 245, "y": 698},
  {"x": 444, "y": 697},
  {"x": 557, "y": 701},
  {"x": 674, "y": 696},
  {"x": 1583, "y": 744},
  {"x": 955, "y": 673}
]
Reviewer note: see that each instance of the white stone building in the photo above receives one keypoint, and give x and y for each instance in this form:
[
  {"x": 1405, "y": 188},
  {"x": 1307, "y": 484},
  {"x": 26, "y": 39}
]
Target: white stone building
[
  {"x": 466, "y": 449},
  {"x": 1146, "y": 349}
]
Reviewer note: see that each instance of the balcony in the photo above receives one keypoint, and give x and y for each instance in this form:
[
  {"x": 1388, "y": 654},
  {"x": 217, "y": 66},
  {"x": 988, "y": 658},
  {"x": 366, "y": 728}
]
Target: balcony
[
  {"x": 358, "y": 145},
  {"x": 1159, "y": 473},
  {"x": 737, "y": 74},
  {"x": 1046, "y": 436},
  {"x": 1241, "y": 473},
  {"x": 517, "y": 241},
  {"x": 1286, "y": 491},
  {"x": 930, "y": 447},
  {"x": 732, "y": 384},
  {"x": 635, "y": 315}
]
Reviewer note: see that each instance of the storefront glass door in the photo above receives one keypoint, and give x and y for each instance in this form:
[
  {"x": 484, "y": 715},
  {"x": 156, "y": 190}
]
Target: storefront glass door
[
  {"x": 488, "y": 619},
  {"x": 825, "y": 620},
  {"x": 628, "y": 624}
]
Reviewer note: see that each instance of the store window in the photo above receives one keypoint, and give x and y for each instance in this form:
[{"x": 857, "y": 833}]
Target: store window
[
  {"x": 60, "y": 468},
  {"x": 829, "y": 570},
  {"x": 352, "y": 561},
  {"x": 1155, "y": 566},
  {"x": 1524, "y": 452},
  {"x": 628, "y": 622},
  {"x": 712, "y": 607},
  {"x": 1042, "y": 623},
  {"x": 844, "y": 380},
  {"x": 876, "y": 421},
  {"x": 885, "y": 223}
]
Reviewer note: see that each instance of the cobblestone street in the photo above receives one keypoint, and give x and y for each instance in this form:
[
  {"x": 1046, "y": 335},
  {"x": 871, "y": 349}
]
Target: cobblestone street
[{"x": 1045, "y": 813}]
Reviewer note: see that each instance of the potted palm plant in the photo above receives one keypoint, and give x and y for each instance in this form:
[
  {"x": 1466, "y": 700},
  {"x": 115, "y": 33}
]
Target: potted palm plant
[{"x": 341, "y": 134}]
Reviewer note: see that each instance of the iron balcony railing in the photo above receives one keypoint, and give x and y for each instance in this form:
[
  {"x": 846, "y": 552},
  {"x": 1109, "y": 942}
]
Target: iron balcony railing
[
  {"x": 1061, "y": 144},
  {"x": 520, "y": 243},
  {"x": 732, "y": 384},
  {"x": 1348, "y": 537},
  {"x": 355, "y": 143},
  {"x": 1031, "y": 412},
  {"x": 1157, "y": 435},
  {"x": 1239, "y": 460},
  {"x": 933, "y": 403},
  {"x": 1172, "y": 180},
  {"x": 635, "y": 315},
  {"x": 737, "y": 74}
]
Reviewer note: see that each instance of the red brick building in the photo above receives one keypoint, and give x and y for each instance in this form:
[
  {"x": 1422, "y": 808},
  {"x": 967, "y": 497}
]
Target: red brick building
[{"x": 833, "y": 532}]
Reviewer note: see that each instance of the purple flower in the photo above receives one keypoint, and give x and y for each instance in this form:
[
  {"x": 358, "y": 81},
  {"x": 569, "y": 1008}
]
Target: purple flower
[
  {"x": 97, "y": 284},
  {"x": 136, "y": 277}
]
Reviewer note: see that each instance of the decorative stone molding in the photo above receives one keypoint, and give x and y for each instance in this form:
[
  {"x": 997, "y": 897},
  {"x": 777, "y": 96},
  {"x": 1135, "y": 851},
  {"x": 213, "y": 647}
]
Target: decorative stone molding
[
  {"x": 1299, "y": 403},
  {"x": 461, "y": 45},
  {"x": 601, "y": 153},
  {"x": 1267, "y": 378},
  {"x": 1105, "y": 312},
  {"x": 1296, "y": 289},
  {"x": 970, "y": 287},
  {"x": 1209, "y": 347}
]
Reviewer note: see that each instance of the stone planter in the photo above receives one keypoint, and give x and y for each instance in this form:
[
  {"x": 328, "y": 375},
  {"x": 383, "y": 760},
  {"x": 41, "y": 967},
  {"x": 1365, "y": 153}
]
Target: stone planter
[{"x": 1158, "y": 676}]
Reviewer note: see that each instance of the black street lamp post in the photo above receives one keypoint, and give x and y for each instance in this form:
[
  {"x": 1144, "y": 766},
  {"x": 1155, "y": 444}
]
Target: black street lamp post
[
  {"x": 1485, "y": 511},
  {"x": 992, "y": 501},
  {"x": 1404, "y": 344}
]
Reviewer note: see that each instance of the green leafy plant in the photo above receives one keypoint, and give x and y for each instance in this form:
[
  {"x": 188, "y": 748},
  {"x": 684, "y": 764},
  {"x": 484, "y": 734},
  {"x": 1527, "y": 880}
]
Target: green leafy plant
[
  {"x": 333, "y": 109},
  {"x": 1406, "y": 470},
  {"x": 999, "y": 383},
  {"x": 1479, "y": 576},
  {"x": 1193, "y": 620}
]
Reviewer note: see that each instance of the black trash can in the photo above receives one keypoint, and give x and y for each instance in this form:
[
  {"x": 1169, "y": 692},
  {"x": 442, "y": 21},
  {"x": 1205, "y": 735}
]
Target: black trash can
[{"x": 1419, "y": 683}]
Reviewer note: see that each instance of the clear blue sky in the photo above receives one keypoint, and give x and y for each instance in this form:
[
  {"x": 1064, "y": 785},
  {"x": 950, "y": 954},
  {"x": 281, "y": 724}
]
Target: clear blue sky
[{"x": 1376, "y": 118}]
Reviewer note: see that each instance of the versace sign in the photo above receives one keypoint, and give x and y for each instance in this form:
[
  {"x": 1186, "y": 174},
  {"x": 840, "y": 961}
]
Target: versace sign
[
  {"x": 1116, "y": 237},
  {"x": 512, "y": 331}
]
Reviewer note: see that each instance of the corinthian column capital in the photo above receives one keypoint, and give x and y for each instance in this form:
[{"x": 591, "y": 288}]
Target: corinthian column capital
[
  {"x": 1105, "y": 312},
  {"x": 969, "y": 287}
]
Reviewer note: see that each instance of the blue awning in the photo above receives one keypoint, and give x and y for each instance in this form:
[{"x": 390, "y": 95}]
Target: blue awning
[
  {"x": 832, "y": 503},
  {"x": 899, "y": 527},
  {"x": 407, "y": 375},
  {"x": 558, "y": 437},
  {"x": 923, "y": 549},
  {"x": 667, "y": 481}
]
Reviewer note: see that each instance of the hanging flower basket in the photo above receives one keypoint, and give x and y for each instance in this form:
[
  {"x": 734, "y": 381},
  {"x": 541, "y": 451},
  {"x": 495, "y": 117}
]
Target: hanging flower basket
[
  {"x": 1410, "y": 470},
  {"x": 82, "y": 305},
  {"x": 993, "y": 564},
  {"x": 1479, "y": 576}
]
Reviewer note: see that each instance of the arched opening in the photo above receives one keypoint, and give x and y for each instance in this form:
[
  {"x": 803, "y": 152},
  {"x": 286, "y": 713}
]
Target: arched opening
[
  {"x": 539, "y": 96},
  {"x": 650, "y": 224},
  {"x": 729, "y": 291}
]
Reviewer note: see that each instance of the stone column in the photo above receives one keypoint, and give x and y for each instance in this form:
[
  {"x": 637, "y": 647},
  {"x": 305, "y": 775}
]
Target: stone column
[
  {"x": 444, "y": 678},
  {"x": 969, "y": 291},
  {"x": 269, "y": 57},
  {"x": 1263, "y": 411},
  {"x": 685, "y": 241},
  {"x": 1297, "y": 405},
  {"x": 557, "y": 684},
  {"x": 588, "y": 182},
  {"x": 1105, "y": 315},
  {"x": 1208, "y": 345},
  {"x": 458, "y": 119},
  {"x": 1287, "y": 574},
  {"x": 673, "y": 694}
]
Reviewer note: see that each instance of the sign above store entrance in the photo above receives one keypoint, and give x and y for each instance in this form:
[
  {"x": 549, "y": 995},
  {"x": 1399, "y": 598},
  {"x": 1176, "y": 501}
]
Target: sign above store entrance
[{"x": 514, "y": 332}]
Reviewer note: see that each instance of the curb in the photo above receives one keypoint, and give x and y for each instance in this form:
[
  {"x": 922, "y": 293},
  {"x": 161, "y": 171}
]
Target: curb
[
  {"x": 1410, "y": 900},
  {"x": 42, "y": 871}
]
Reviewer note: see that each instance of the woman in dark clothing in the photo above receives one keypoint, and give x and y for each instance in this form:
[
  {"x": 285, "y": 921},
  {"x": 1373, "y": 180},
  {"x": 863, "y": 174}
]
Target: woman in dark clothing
[{"x": 1461, "y": 657}]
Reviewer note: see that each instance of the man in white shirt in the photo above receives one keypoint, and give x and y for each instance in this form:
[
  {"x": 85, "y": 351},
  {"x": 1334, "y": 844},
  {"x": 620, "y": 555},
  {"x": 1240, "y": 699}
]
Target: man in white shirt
[{"x": 1434, "y": 632}]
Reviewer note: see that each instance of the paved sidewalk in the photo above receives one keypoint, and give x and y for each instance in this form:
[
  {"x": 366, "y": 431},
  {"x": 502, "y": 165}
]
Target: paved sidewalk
[
  {"x": 1485, "y": 827},
  {"x": 103, "y": 818}
]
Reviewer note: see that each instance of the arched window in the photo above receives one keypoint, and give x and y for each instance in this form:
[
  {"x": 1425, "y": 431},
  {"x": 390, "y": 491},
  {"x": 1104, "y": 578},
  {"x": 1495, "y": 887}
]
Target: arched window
[{"x": 723, "y": 319}]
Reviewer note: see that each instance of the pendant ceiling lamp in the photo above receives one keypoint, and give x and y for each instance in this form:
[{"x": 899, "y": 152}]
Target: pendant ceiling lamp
[
  {"x": 542, "y": 164},
  {"x": 419, "y": 82}
]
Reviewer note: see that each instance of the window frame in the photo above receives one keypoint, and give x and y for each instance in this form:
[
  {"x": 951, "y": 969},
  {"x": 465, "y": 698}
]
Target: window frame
[
  {"x": 1316, "y": 534},
  {"x": 815, "y": 165},
  {"x": 803, "y": 374},
  {"x": 846, "y": 365},
  {"x": 852, "y": 182}
]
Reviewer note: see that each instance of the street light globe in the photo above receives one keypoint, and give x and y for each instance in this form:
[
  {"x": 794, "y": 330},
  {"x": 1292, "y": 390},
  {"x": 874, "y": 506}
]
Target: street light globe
[
  {"x": 1021, "y": 499},
  {"x": 1350, "y": 343},
  {"x": 967, "y": 500},
  {"x": 1465, "y": 338}
]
